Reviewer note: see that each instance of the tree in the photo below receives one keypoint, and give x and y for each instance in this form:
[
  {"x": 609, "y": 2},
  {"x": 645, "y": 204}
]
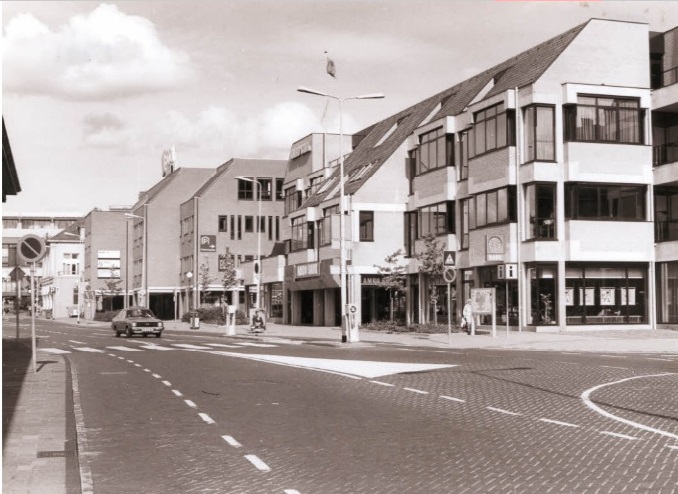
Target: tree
[
  {"x": 113, "y": 288},
  {"x": 431, "y": 259},
  {"x": 205, "y": 279},
  {"x": 229, "y": 280},
  {"x": 392, "y": 278}
]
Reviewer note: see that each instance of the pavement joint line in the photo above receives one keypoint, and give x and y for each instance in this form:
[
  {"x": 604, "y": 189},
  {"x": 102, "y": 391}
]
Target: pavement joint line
[
  {"x": 501, "y": 410},
  {"x": 258, "y": 464},
  {"x": 383, "y": 383},
  {"x": 231, "y": 441},
  {"x": 191, "y": 404},
  {"x": 617, "y": 434},
  {"x": 452, "y": 398},
  {"x": 206, "y": 418},
  {"x": 558, "y": 422}
]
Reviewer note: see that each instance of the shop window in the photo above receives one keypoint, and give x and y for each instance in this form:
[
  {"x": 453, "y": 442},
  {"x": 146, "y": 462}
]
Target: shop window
[
  {"x": 604, "y": 119},
  {"x": 276, "y": 290},
  {"x": 366, "y": 226},
  {"x": 605, "y": 293},
  {"x": 542, "y": 303},
  {"x": 540, "y": 206},
  {"x": 540, "y": 137},
  {"x": 667, "y": 292},
  {"x": 605, "y": 202}
]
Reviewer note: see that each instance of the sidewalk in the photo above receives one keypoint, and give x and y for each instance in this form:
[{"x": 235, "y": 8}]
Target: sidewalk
[{"x": 39, "y": 443}]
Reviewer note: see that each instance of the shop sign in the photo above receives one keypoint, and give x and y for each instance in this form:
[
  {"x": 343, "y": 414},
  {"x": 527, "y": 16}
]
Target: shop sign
[
  {"x": 108, "y": 254},
  {"x": 371, "y": 279},
  {"x": 299, "y": 149},
  {"x": 306, "y": 270},
  {"x": 494, "y": 248}
]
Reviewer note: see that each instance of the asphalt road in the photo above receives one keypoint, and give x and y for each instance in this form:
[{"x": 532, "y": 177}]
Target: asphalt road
[{"x": 198, "y": 413}]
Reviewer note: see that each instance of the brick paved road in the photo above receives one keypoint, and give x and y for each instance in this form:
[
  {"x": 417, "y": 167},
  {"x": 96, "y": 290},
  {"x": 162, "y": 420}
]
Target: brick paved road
[{"x": 501, "y": 421}]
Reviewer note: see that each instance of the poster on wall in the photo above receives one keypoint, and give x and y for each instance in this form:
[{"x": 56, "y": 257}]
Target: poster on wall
[
  {"x": 606, "y": 296},
  {"x": 629, "y": 299},
  {"x": 569, "y": 296}
]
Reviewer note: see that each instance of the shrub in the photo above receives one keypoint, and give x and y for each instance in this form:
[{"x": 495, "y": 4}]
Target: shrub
[
  {"x": 401, "y": 327},
  {"x": 215, "y": 315},
  {"x": 106, "y": 316}
]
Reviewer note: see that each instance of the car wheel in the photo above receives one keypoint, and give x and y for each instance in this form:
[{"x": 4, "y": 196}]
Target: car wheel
[
  {"x": 129, "y": 332},
  {"x": 158, "y": 335}
]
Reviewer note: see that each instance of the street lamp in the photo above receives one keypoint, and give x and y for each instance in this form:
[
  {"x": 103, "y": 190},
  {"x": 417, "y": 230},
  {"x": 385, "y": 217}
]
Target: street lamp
[
  {"x": 189, "y": 275},
  {"x": 130, "y": 216},
  {"x": 257, "y": 269},
  {"x": 349, "y": 333},
  {"x": 81, "y": 242}
]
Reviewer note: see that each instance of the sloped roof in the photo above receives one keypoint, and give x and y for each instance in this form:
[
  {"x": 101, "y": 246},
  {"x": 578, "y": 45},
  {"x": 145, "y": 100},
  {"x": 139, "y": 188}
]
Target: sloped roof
[
  {"x": 518, "y": 71},
  {"x": 69, "y": 234},
  {"x": 220, "y": 171},
  {"x": 10, "y": 177},
  {"x": 148, "y": 196}
]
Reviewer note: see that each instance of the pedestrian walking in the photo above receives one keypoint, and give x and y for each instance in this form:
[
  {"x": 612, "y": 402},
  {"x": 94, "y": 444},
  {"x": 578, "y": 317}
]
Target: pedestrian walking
[{"x": 467, "y": 316}]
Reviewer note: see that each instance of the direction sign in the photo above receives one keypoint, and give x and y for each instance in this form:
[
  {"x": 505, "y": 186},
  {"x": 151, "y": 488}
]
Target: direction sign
[
  {"x": 448, "y": 258},
  {"x": 31, "y": 248}
]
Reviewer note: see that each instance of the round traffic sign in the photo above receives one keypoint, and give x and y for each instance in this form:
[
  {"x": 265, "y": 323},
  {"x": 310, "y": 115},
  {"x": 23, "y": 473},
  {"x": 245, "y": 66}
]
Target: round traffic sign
[
  {"x": 31, "y": 248},
  {"x": 450, "y": 274}
]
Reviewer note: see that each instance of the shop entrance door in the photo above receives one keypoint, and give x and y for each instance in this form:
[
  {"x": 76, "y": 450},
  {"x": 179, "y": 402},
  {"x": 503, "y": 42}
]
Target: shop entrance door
[{"x": 306, "y": 300}]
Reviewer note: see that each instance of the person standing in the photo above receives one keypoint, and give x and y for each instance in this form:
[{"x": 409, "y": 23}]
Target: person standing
[{"x": 467, "y": 316}]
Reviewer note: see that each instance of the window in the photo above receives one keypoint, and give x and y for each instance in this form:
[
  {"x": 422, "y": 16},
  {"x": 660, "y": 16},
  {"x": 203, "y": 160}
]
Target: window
[
  {"x": 605, "y": 202},
  {"x": 232, "y": 227},
  {"x": 298, "y": 233},
  {"x": 265, "y": 188},
  {"x": 249, "y": 224},
  {"x": 664, "y": 138},
  {"x": 245, "y": 189},
  {"x": 437, "y": 219},
  {"x": 71, "y": 263},
  {"x": 410, "y": 232},
  {"x": 292, "y": 200},
  {"x": 604, "y": 119},
  {"x": 492, "y": 208},
  {"x": 279, "y": 192},
  {"x": 540, "y": 137},
  {"x": 366, "y": 219},
  {"x": 324, "y": 231},
  {"x": 239, "y": 227},
  {"x": 542, "y": 303},
  {"x": 223, "y": 223},
  {"x": 665, "y": 214},
  {"x": 436, "y": 150},
  {"x": 464, "y": 223},
  {"x": 492, "y": 130},
  {"x": 463, "y": 156},
  {"x": 540, "y": 207},
  {"x": 667, "y": 292}
]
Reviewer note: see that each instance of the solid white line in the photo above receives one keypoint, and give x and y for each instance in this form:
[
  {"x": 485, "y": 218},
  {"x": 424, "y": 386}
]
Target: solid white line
[
  {"x": 191, "y": 404},
  {"x": 451, "y": 398},
  {"x": 177, "y": 392},
  {"x": 416, "y": 391},
  {"x": 558, "y": 422},
  {"x": 53, "y": 350},
  {"x": 662, "y": 359},
  {"x": 206, "y": 418},
  {"x": 221, "y": 345},
  {"x": 613, "y": 367},
  {"x": 260, "y": 465},
  {"x": 232, "y": 441},
  {"x": 381, "y": 383},
  {"x": 167, "y": 383},
  {"x": 501, "y": 410},
  {"x": 616, "y": 434},
  {"x": 585, "y": 396}
]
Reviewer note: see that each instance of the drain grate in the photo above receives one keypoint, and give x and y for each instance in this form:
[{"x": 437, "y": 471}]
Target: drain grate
[{"x": 55, "y": 454}]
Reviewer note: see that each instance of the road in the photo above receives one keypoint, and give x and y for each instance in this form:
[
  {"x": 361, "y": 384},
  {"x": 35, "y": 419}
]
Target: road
[{"x": 197, "y": 413}]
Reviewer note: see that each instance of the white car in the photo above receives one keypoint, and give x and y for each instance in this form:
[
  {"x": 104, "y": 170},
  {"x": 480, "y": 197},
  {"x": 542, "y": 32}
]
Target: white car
[{"x": 137, "y": 320}]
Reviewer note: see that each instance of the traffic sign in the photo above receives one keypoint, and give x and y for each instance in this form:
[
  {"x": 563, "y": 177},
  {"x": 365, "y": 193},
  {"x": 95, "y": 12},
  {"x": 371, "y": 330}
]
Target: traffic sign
[
  {"x": 31, "y": 248},
  {"x": 448, "y": 258},
  {"x": 450, "y": 275}
]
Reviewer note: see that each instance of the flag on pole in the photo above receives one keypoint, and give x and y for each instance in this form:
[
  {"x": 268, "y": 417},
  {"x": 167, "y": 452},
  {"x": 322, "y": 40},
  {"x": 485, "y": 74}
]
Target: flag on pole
[{"x": 331, "y": 68}]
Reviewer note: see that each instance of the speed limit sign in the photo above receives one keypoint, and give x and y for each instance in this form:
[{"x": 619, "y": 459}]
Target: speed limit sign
[{"x": 450, "y": 274}]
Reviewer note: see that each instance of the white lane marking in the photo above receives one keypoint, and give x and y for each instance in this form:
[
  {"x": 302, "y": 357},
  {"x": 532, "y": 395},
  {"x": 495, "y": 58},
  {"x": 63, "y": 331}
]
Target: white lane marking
[
  {"x": 616, "y": 434},
  {"x": 585, "y": 396},
  {"x": 157, "y": 376},
  {"x": 78, "y": 342},
  {"x": 121, "y": 358},
  {"x": 501, "y": 410},
  {"x": 363, "y": 368},
  {"x": 177, "y": 392},
  {"x": 191, "y": 347},
  {"x": 206, "y": 418},
  {"x": 614, "y": 356},
  {"x": 416, "y": 391},
  {"x": 137, "y": 365},
  {"x": 260, "y": 465},
  {"x": 167, "y": 383},
  {"x": 662, "y": 359},
  {"x": 130, "y": 361},
  {"x": 613, "y": 367},
  {"x": 221, "y": 345},
  {"x": 191, "y": 404},
  {"x": 671, "y": 446},
  {"x": 382, "y": 383},
  {"x": 156, "y": 347},
  {"x": 52, "y": 350},
  {"x": 232, "y": 441},
  {"x": 451, "y": 398},
  {"x": 147, "y": 370},
  {"x": 124, "y": 349},
  {"x": 112, "y": 354},
  {"x": 291, "y": 491},
  {"x": 558, "y": 422},
  {"x": 261, "y": 345}
]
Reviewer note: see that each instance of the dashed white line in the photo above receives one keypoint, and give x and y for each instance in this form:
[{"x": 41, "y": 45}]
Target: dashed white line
[
  {"x": 612, "y": 367},
  {"x": 291, "y": 491},
  {"x": 157, "y": 376},
  {"x": 78, "y": 342},
  {"x": 416, "y": 391},
  {"x": 167, "y": 383},
  {"x": 137, "y": 365},
  {"x": 558, "y": 422},
  {"x": 191, "y": 404},
  {"x": 232, "y": 441},
  {"x": 452, "y": 398},
  {"x": 671, "y": 446},
  {"x": 177, "y": 392},
  {"x": 130, "y": 361},
  {"x": 260, "y": 465},
  {"x": 616, "y": 434},
  {"x": 147, "y": 370},
  {"x": 206, "y": 418},
  {"x": 501, "y": 410},
  {"x": 382, "y": 383}
]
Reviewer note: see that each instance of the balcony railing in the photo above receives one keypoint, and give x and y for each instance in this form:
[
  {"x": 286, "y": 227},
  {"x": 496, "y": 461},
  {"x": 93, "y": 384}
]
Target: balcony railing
[{"x": 664, "y": 153}]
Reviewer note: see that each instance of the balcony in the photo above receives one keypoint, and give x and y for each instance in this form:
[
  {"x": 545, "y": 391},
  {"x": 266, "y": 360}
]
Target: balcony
[{"x": 665, "y": 98}]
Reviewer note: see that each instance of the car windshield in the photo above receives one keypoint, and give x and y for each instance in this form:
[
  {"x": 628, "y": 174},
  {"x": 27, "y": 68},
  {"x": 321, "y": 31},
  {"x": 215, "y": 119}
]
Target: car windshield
[{"x": 140, "y": 313}]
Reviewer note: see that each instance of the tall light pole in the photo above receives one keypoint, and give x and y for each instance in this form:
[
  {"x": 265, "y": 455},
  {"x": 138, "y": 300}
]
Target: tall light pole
[
  {"x": 349, "y": 333},
  {"x": 143, "y": 258},
  {"x": 189, "y": 276},
  {"x": 257, "y": 270}
]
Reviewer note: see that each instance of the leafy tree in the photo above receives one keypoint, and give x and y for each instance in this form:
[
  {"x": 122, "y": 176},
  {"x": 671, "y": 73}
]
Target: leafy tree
[
  {"x": 431, "y": 259},
  {"x": 392, "y": 278},
  {"x": 229, "y": 280},
  {"x": 113, "y": 288},
  {"x": 205, "y": 279}
]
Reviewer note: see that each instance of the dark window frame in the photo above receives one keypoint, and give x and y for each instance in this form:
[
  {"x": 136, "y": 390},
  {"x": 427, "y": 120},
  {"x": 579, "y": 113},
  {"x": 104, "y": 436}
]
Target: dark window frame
[
  {"x": 541, "y": 225},
  {"x": 437, "y": 226},
  {"x": 571, "y": 112},
  {"x": 506, "y": 202},
  {"x": 366, "y": 226},
  {"x": 245, "y": 190},
  {"x": 484, "y": 122},
  {"x": 223, "y": 224},
  {"x": 576, "y": 199},
  {"x": 534, "y": 155}
]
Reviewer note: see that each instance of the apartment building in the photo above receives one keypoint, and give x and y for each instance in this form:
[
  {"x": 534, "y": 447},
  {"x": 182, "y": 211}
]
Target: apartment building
[{"x": 238, "y": 208}]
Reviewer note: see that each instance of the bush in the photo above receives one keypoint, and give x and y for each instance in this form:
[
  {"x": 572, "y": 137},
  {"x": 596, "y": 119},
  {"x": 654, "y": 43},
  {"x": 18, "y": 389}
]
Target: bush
[
  {"x": 401, "y": 327},
  {"x": 106, "y": 316},
  {"x": 215, "y": 315}
]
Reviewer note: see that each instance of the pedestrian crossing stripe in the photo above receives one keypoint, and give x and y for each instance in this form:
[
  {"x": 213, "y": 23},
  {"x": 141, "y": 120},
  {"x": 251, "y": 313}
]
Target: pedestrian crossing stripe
[
  {"x": 191, "y": 347},
  {"x": 88, "y": 349},
  {"x": 124, "y": 349},
  {"x": 52, "y": 350},
  {"x": 156, "y": 347},
  {"x": 261, "y": 345}
]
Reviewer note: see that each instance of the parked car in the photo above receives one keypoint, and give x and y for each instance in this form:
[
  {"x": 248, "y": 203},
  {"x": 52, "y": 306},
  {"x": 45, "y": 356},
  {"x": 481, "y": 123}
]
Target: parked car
[{"x": 137, "y": 320}]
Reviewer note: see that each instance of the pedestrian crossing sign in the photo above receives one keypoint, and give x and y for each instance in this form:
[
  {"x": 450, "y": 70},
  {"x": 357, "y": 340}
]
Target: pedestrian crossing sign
[{"x": 448, "y": 258}]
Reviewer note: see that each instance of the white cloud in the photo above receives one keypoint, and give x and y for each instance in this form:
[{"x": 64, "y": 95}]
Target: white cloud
[{"x": 106, "y": 54}]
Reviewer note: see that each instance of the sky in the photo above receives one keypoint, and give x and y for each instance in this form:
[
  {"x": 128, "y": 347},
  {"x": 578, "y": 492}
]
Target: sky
[{"x": 92, "y": 93}]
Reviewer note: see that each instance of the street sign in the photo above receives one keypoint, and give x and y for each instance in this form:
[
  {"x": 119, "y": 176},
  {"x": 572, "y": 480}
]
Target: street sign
[
  {"x": 31, "y": 248},
  {"x": 448, "y": 258},
  {"x": 449, "y": 275}
]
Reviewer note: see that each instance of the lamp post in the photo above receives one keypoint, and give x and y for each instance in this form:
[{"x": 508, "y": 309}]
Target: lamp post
[
  {"x": 349, "y": 334},
  {"x": 257, "y": 269},
  {"x": 82, "y": 243},
  {"x": 189, "y": 275},
  {"x": 130, "y": 216}
]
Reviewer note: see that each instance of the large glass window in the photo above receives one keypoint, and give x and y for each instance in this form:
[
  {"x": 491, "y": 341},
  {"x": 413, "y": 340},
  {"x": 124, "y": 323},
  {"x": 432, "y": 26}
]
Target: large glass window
[
  {"x": 324, "y": 231},
  {"x": 292, "y": 200},
  {"x": 664, "y": 138},
  {"x": 279, "y": 192},
  {"x": 265, "y": 188},
  {"x": 665, "y": 214},
  {"x": 492, "y": 208},
  {"x": 605, "y": 202},
  {"x": 436, "y": 150},
  {"x": 540, "y": 137},
  {"x": 366, "y": 219},
  {"x": 276, "y": 290},
  {"x": 604, "y": 119},
  {"x": 493, "y": 129},
  {"x": 410, "y": 232},
  {"x": 437, "y": 219},
  {"x": 542, "y": 303},
  {"x": 463, "y": 155},
  {"x": 605, "y": 293},
  {"x": 464, "y": 223},
  {"x": 299, "y": 233},
  {"x": 540, "y": 207},
  {"x": 245, "y": 189},
  {"x": 667, "y": 292}
]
